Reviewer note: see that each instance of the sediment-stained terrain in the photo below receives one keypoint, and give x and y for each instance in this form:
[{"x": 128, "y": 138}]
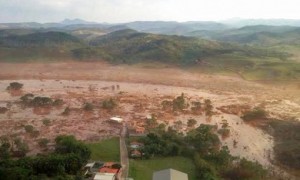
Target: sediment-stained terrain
[{"x": 139, "y": 92}]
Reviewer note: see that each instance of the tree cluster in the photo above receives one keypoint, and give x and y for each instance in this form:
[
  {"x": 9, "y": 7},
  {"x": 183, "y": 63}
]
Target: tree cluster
[
  {"x": 255, "y": 114},
  {"x": 70, "y": 155},
  {"x": 31, "y": 100},
  {"x": 287, "y": 146},
  {"x": 203, "y": 146},
  {"x": 109, "y": 104},
  {"x": 14, "y": 86}
]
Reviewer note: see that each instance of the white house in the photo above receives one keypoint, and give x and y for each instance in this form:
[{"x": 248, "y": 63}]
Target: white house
[
  {"x": 169, "y": 174},
  {"x": 116, "y": 119},
  {"x": 105, "y": 176}
]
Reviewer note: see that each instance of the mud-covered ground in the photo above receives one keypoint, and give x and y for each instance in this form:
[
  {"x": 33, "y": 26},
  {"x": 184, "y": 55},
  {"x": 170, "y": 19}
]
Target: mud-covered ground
[{"x": 139, "y": 91}]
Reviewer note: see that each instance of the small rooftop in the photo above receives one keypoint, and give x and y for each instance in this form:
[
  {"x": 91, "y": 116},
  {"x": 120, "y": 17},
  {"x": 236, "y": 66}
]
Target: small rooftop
[
  {"x": 108, "y": 170},
  {"x": 169, "y": 174},
  {"x": 104, "y": 176},
  {"x": 109, "y": 164},
  {"x": 117, "y": 119},
  {"x": 90, "y": 165}
]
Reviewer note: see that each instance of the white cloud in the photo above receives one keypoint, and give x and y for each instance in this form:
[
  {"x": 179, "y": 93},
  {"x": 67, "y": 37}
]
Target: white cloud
[
  {"x": 131, "y": 10},
  {"x": 55, "y": 3}
]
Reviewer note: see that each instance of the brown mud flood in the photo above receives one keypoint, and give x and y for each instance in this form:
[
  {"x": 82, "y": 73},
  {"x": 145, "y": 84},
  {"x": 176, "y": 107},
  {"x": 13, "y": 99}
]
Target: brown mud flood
[{"x": 138, "y": 93}]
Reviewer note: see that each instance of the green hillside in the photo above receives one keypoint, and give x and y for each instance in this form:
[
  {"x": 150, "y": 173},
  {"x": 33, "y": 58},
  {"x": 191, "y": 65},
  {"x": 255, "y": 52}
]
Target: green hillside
[
  {"x": 260, "y": 35},
  {"x": 47, "y": 39},
  {"x": 246, "y": 55},
  {"x": 129, "y": 46},
  {"x": 23, "y": 45}
]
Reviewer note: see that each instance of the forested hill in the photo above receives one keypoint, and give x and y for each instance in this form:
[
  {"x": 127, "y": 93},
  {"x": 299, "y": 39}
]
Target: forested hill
[
  {"x": 260, "y": 35},
  {"x": 45, "y": 39},
  {"x": 131, "y": 46}
]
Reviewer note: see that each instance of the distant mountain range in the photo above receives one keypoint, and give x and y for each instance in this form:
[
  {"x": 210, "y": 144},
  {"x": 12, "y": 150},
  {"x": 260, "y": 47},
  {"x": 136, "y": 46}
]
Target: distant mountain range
[
  {"x": 146, "y": 25},
  {"x": 205, "y": 29},
  {"x": 75, "y": 21},
  {"x": 237, "y": 22},
  {"x": 159, "y": 27}
]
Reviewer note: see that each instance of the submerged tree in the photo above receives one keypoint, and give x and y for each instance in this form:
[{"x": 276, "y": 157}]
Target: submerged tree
[{"x": 14, "y": 86}]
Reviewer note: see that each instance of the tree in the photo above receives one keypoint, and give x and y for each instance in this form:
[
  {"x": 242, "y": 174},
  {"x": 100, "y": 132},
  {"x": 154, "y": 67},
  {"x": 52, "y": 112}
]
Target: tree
[
  {"x": 41, "y": 101},
  {"x": 179, "y": 103},
  {"x": 35, "y": 133},
  {"x": 29, "y": 128},
  {"x": 14, "y": 86},
  {"x": 224, "y": 132},
  {"x": 191, "y": 123},
  {"x": 167, "y": 105},
  {"x": 22, "y": 147},
  {"x": 208, "y": 107},
  {"x": 116, "y": 166},
  {"x": 88, "y": 106},
  {"x": 204, "y": 139},
  {"x": 27, "y": 98},
  {"x": 162, "y": 127},
  {"x": 66, "y": 111},
  {"x": 46, "y": 121},
  {"x": 109, "y": 104},
  {"x": 255, "y": 114},
  {"x": 204, "y": 169},
  {"x": 4, "y": 148},
  {"x": 51, "y": 166},
  {"x": 154, "y": 145},
  {"x": 151, "y": 123},
  {"x": 43, "y": 142},
  {"x": 245, "y": 169},
  {"x": 178, "y": 125},
  {"x": 14, "y": 173},
  {"x": 221, "y": 159},
  {"x": 3, "y": 110},
  {"x": 196, "y": 106},
  {"x": 68, "y": 144},
  {"x": 58, "y": 102}
]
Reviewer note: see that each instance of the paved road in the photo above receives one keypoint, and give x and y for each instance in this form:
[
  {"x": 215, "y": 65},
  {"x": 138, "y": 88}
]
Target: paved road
[{"x": 123, "y": 154}]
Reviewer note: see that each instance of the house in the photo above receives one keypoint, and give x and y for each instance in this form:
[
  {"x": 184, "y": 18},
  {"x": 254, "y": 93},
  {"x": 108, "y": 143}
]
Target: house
[
  {"x": 132, "y": 123},
  {"x": 116, "y": 119},
  {"x": 136, "y": 145},
  {"x": 109, "y": 164},
  {"x": 93, "y": 167},
  {"x": 135, "y": 154},
  {"x": 110, "y": 167},
  {"x": 88, "y": 168},
  {"x": 169, "y": 174},
  {"x": 108, "y": 170},
  {"x": 140, "y": 130},
  {"x": 104, "y": 176}
]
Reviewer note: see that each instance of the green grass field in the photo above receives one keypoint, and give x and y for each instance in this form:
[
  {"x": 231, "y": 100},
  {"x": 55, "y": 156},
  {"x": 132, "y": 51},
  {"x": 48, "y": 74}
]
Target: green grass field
[
  {"x": 143, "y": 169},
  {"x": 106, "y": 150}
]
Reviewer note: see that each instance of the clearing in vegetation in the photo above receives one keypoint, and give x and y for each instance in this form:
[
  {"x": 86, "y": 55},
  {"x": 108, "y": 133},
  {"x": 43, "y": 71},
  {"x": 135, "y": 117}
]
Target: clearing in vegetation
[
  {"x": 143, "y": 169},
  {"x": 106, "y": 150}
]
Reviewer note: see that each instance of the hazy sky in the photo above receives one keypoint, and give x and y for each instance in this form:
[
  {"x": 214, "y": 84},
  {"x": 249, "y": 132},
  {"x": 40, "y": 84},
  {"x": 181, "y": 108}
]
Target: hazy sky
[{"x": 133, "y": 10}]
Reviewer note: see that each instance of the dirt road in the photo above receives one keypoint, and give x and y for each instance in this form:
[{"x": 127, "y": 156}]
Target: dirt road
[{"x": 123, "y": 154}]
